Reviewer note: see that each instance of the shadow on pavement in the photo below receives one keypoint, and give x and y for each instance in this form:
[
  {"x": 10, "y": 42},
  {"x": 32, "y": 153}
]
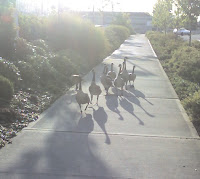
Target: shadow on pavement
[
  {"x": 101, "y": 118},
  {"x": 128, "y": 106},
  {"x": 139, "y": 94},
  {"x": 112, "y": 104},
  {"x": 133, "y": 99},
  {"x": 63, "y": 154}
]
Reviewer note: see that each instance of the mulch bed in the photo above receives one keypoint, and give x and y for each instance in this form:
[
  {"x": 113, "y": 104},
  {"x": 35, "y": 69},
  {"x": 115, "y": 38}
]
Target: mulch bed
[{"x": 24, "y": 108}]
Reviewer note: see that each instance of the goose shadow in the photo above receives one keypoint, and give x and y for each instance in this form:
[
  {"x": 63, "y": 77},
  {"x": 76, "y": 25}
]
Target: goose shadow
[
  {"x": 112, "y": 104},
  {"x": 139, "y": 94},
  {"x": 101, "y": 118},
  {"x": 85, "y": 124},
  {"x": 128, "y": 106},
  {"x": 133, "y": 99}
]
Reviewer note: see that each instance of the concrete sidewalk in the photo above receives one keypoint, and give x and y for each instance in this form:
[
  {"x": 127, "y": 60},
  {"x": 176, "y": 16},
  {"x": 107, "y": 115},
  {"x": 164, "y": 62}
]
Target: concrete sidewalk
[{"x": 144, "y": 134}]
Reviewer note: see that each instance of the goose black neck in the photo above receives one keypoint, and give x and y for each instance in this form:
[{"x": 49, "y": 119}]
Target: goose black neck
[
  {"x": 119, "y": 70},
  {"x": 133, "y": 69},
  {"x": 104, "y": 70},
  {"x": 80, "y": 85},
  {"x": 93, "y": 78},
  {"x": 112, "y": 67}
]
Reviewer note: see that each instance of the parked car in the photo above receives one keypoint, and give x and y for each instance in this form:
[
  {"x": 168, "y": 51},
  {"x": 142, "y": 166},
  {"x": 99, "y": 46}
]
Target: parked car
[{"x": 181, "y": 31}]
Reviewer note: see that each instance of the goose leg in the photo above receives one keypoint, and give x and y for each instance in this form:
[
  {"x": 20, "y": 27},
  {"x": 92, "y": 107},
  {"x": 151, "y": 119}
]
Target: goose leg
[
  {"x": 86, "y": 106},
  {"x": 76, "y": 86},
  {"x": 126, "y": 85},
  {"x": 122, "y": 91},
  {"x": 97, "y": 99},
  {"x": 91, "y": 99}
]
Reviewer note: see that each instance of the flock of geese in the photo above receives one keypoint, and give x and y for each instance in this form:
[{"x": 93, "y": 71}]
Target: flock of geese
[{"x": 108, "y": 79}]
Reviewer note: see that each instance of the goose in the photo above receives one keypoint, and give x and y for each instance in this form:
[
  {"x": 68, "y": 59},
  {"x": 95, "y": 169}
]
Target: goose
[
  {"x": 106, "y": 80},
  {"x": 119, "y": 82},
  {"x": 76, "y": 79},
  {"x": 125, "y": 74},
  {"x": 111, "y": 73},
  {"x": 132, "y": 76},
  {"x": 94, "y": 89},
  {"x": 81, "y": 97}
]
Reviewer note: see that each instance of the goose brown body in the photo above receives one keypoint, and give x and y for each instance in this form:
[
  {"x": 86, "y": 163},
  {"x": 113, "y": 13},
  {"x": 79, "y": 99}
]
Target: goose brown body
[
  {"x": 125, "y": 74},
  {"x": 94, "y": 89},
  {"x": 111, "y": 73},
  {"x": 132, "y": 76},
  {"x": 81, "y": 97},
  {"x": 106, "y": 80},
  {"x": 119, "y": 82}
]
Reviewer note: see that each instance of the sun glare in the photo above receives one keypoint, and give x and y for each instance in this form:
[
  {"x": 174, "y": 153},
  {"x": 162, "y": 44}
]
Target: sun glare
[{"x": 90, "y": 5}]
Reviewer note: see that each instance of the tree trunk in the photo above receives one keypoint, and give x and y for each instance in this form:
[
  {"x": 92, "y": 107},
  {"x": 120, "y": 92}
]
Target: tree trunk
[{"x": 190, "y": 39}]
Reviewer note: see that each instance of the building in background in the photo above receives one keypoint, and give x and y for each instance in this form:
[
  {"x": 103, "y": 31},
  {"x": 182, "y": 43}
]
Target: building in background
[{"x": 141, "y": 21}]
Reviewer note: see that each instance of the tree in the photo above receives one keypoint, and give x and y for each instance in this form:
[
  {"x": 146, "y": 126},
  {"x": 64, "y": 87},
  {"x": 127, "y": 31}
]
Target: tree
[
  {"x": 124, "y": 20},
  {"x": 162, "y": 15},
  {"x": 189, "y": 10},
  {"x": 7, "y": 28}
]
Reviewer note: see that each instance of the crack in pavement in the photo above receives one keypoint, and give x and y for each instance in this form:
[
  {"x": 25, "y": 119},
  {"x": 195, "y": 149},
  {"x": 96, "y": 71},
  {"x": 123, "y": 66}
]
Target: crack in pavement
[{"x": 114, "y": 134}]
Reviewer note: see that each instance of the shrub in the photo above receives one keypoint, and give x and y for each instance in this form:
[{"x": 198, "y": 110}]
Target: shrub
[
  {"x": 22, "y": 49},
  {"x": 192, "y": 105},
  {"x": 116, "y": 35},
  {"x": 10, "y": 71},
  {"x": 71, "y": 32},
  {"x": 123, "y": 19},
  {"x": 32, "y": 27},
  {"x": 183, "y": 88},
  {"x": 186, "y": 61},
  {"x": 6, "y": 90},
  {"x": 164, "y": 45},
  {"x": 196, "y": 44},
  {"x": 7, "y": 29}
]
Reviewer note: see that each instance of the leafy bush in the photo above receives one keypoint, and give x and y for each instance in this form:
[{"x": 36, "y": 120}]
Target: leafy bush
[
  {"x": 7, "y": 29},
  {"x": 183, "y": 88},
  {"x": 10, "y": 71},
  {"x": 164, "y": 45},
  {"x": 6, "y": 90},
  {"x": 186, "y": 61},
  {"x": 196, "y": 44},
  {"x": 116, "y": 35},
  {"x": 32, "y": 27},
  {"x": 71, "y": 32},
  {"x": 192, "y": 105},
  {"x": 123, "y": 19}
]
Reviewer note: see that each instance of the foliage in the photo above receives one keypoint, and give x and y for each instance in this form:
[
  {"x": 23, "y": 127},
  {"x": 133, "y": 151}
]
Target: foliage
[
  {"x": 71, "y": 32},
  {"x": 6, "y": 90},
  {"x": 186, "y": 62},
  {"x": 189, "y": 10},
  {"x": 183, "y": 69},
  {"x": 10, "y": 71},
  {"x": 116, "y": 35},
  {"x": 192, "y": 104},
  {"x": 162, "y": 16},
  {"x": 123, "y": 19},
  {"x": 32, "y": 27},
  {"x": 7, "y": 29},
  {"x": 164, "y": 45}
]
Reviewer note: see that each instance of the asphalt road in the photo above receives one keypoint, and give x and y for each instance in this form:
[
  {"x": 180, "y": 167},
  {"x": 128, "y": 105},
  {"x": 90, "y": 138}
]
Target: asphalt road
[
  {"x": 194, "y": 37},
  {"x": 144, "y": 134}
]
